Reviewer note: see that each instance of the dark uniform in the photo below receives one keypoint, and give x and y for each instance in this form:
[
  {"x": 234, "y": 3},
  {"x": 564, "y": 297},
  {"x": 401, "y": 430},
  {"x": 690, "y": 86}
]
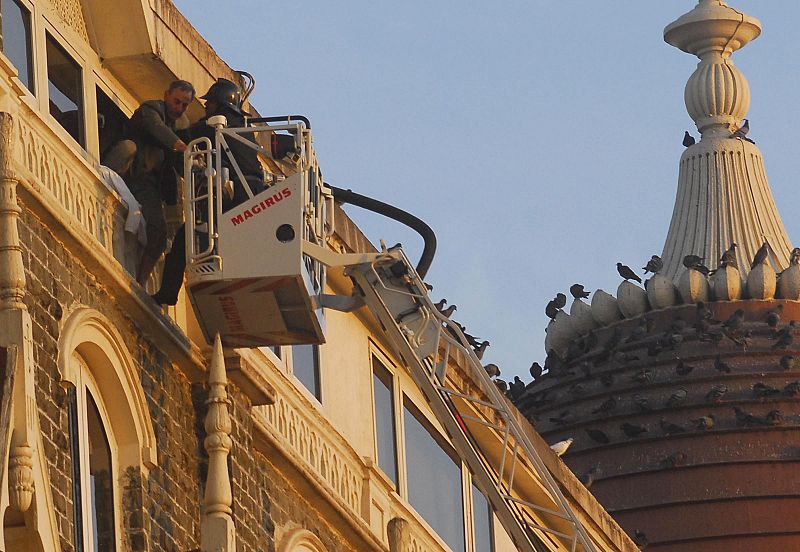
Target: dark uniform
[{"x": 247, "y": 160}]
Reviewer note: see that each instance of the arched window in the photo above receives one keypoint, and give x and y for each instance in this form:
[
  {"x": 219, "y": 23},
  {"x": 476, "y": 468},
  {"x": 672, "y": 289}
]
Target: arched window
[
  {"x": 94, "y": 466},
  {"x": 301, "y": 540},
  {"x": 110, "y": 427}
]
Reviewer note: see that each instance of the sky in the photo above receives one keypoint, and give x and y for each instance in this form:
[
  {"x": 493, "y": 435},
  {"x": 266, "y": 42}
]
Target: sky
[{"x": 540, "y": 140}]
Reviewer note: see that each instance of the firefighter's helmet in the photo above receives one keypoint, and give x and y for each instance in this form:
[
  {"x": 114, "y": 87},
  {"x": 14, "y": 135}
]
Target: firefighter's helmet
[{"x": 225, "y": 93}]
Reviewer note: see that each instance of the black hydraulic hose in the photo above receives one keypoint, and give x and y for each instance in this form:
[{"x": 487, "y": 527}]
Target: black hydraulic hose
[{"x": 429, "y": 249}]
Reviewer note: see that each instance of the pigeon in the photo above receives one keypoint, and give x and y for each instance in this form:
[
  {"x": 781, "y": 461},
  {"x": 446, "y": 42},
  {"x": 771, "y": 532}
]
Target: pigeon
[
  {"x": 794, "y": 256},
  {"x": 729, "y": 258},
  {"x": 606, "y": 406},
  {"x": 694, "y": 262},
  {"x": 563, "y": 418},
  {"x": 688, "y": 139},
  {"x": 627, "y": 273},
  {"x": 480, "y": 349},
  {"x": 535, "y": 370},
  {"x": 761, "y": 255},
  {"x": 742, "y": 131},
  {"x": 598, "y": 436},
  {"x": 721, "y": 366},
  {"x": 783, "y": 341},
  {"x": 669, "y": 428},
  {"x": 743, "y": 418},
  {"x": 654, "y": 265},
  {"x": 641, "y": 402},
  {"x": 588, "y": 478},
  {"x": 676, "y": 398},
  {"x": 558, "y": 303},
  {"x": 492, "y": 370},
  {"x": 762, "y": 390},
  {"x": 516, "y": 388},
  {"x": 674, "y": 460},
  {"x": 734, "y": 322},
  {"x": 643, "y": 376},
  {"x": 705, "y": 423},
  {"x": 501, "y": 385},
  {"x": 787, "y": 362},
  {"x": 774, "y": 317},
  {"x": 440, "y": 304},
  {"x": 578, "y": 292},
  {"x": 716, "y": 393},
  {"x": 448, "y": 312},
  {"x": 683, "y": 369},
  {"x": 792, "y": 389},
  {"x": 639, "y": 537},
  {"x": 632, "y": 431},
  {"x": 561, "y": 447}
]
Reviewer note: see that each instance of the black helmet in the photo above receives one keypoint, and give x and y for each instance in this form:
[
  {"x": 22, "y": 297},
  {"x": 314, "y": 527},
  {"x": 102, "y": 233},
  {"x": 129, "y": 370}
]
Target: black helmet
[{"x": 225, "y": 93}]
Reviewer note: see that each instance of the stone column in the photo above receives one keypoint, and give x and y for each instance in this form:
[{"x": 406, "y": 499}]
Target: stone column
[
  {"x": 217, "y": 531},
  {"x": 399, "y": 535}
]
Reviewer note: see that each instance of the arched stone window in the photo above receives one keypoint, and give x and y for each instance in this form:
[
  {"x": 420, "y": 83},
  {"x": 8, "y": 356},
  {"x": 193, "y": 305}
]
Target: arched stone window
[
  {"x": 301, "y": 540},
  {"x": 110, "y": 428}
]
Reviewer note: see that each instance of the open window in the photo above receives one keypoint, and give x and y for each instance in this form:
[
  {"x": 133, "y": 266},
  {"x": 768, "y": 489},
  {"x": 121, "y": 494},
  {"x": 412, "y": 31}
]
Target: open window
[{"x": 65, "y": 87}]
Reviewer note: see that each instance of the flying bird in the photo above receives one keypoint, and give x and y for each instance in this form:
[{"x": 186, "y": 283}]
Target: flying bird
[
  {"x": 627, "y": 273},
  {"x": 761, "y": 255},
  {"x": 729, "y": 258},
  {"x": 654, "y": 265},
  {"x": 688, "y": 139},
  {"x": 561, "y": 447},
  {"x": 578, "y": 292}
]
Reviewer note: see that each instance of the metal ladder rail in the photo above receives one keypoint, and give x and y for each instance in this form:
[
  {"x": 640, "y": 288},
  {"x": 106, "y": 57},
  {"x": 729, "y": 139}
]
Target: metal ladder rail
[{"x": 441, "y": 402}]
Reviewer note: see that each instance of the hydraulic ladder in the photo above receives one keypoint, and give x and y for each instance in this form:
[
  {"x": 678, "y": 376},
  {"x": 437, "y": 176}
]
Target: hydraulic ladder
[{"x": 426, "y": 341}]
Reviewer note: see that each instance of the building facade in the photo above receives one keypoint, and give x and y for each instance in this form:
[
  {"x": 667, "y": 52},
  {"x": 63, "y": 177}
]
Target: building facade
[{"x": 122, "y": 428}]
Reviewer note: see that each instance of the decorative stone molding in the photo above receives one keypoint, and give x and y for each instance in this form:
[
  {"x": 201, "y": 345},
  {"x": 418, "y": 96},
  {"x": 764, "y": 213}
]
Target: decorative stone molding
[
  {"x": 12, "y": 270},
  {"x": 727, "y": 284},
  {"x": 693, "y": 286},
  {"x": 217, "y": 532},
  {"x": 661, "y": 292},
  {"x": 789, "y": 283},
  {"x": 301, "y": 540},
  {"x": 71, "y": 13},
  {"x": 88, "y": 333},
  {"x": 581, "y": 316},
  {"x": 605, "y": 309},
  {"x": 631, "y": 299},
  {"x": 20, "y": 477},
  {"x": 761, "y": 282}
]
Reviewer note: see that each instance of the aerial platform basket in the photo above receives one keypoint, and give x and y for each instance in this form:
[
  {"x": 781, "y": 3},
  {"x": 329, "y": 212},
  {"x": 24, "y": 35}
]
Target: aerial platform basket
[{"x": 247, "y": 276}]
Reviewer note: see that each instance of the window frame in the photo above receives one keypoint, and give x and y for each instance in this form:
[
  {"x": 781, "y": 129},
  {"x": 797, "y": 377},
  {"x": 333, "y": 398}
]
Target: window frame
[
  {"x": 34, "y": 54},
  {"x": 289, "y": 363},
  {"x": 377, "y": 356},
  {"x": 87, "y": 384}
]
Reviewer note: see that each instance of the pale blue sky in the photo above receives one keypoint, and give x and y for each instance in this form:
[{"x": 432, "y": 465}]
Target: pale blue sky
[{"x": 540, "y": 140}]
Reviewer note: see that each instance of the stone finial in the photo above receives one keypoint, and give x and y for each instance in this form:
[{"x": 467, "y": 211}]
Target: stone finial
[
  {"x": 20, "y": 477},
  {"x": 217, "y": 530},
  {"x": 717, "y": 95},
  {"x": 12, "y": 270}
]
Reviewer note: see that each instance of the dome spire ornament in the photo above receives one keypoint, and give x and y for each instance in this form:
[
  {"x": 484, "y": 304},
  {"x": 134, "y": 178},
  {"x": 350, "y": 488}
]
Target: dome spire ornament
[
  {"x": 717, "y": 95},
  {"x": 723, "y": 194}
]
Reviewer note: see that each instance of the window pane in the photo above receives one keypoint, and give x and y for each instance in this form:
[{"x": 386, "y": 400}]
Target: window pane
[
  {"x": 482, "y": 512},
  {"x": 65, "y": 87},
  {"x": 100, "y": 479},
  {"x": 111, "y": 122},
  {"x": 384, "y": 420},
  {"x": 305, "y": 366},
  {"x": 434, "y": 483},
  {"x": 74, "y": 450},
  {"x": 17, "y": 39}
]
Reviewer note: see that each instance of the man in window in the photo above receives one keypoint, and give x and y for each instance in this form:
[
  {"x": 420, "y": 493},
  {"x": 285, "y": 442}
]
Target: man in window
[{"x": 145, "y": 160}]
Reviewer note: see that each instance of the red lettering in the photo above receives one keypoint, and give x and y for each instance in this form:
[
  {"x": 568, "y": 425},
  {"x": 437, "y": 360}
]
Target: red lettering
[
  {"x": 286, "y": 192},
  {"x": 247, "y": 214},
  {"x": 270, "y": 201},
  {"x": 256, "y": 208},
  {"x": 238, "y": 219}
]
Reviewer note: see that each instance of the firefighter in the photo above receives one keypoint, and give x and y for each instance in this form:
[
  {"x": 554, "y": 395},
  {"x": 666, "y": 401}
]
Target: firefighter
[
  {"x": 145, "y": 161},
  {"x": 223, "y": 98}
]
